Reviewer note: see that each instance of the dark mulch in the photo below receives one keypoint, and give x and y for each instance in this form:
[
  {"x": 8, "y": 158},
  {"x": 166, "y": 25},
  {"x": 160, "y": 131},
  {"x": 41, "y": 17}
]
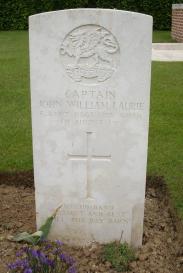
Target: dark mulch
[{"x": 17, "y": 179}]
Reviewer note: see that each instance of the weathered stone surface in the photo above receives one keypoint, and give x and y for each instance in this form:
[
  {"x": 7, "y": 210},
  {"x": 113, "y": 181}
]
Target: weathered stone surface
[{"x": 90, "y": 79}]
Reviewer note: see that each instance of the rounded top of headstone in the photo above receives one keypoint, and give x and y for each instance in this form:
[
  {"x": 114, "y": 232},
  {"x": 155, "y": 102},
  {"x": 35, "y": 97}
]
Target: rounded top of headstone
[{"x": 93, "y": 10}]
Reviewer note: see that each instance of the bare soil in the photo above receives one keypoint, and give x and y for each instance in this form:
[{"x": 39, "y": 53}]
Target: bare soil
[{"x": 162, "y": 250}]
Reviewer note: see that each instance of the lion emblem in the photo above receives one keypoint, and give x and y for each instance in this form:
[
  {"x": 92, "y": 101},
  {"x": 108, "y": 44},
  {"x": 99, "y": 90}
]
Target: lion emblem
[{"x": 89, "y": 54}]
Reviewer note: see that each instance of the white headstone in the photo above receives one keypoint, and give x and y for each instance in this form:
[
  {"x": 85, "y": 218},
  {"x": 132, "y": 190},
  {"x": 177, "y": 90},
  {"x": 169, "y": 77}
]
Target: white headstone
[{"x": 90, "y": 82}]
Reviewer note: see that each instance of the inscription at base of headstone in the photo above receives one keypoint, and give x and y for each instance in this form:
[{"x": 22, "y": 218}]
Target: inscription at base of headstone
[{"x": 90, "y": 89}]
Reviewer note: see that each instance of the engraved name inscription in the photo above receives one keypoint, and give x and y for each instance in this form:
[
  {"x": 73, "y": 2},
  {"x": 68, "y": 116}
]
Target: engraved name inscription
[
  {"x": 90, "y": 106},
  {"x": 90, "y": 54},
  {"x": 92, "y": 214}
]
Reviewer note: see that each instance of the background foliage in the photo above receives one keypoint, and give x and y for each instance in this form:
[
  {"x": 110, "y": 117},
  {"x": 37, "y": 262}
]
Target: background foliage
[{"x": 14, "y": 13}]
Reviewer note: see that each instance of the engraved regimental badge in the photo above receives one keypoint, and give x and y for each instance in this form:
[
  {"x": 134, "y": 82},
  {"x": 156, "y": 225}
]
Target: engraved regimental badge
[{"x": 90, "y": 54}]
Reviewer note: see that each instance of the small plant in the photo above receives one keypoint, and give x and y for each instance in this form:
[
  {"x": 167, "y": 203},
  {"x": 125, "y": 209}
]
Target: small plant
[
  {"x": 119, "y": 255},
  {"x": 47, "y": 258},
  {"x": 40, "y": 235}
]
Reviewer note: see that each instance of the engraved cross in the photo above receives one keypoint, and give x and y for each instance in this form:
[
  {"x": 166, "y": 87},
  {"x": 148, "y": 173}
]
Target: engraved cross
[{"x": 88, "y": 157}]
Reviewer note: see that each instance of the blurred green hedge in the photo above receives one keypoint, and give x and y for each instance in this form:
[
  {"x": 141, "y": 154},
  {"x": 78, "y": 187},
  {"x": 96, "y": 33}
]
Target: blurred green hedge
[{"x": 14, "y": 13}]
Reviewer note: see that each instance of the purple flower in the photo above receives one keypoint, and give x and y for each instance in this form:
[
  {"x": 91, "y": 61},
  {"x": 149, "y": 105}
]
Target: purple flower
[
  {"x": 23, "y": 263},
  {"x": 28, "y": 270},
  {"x": 59, "y": 243},
  {"x": 34, "y": 253},
  {"x": 42, "y": 257},
  {"x": 42, "y": 260},
  {"x": 48, "y": 246},
  {"x": 56, "y": 251},
  {"x": 19, "y": 253},
  {"x": 50, "y": 262},
  {"x": 63, "y": 257},
  {"x": 67, "y": 259},
  {"x": 19, "y": 264},
  {"x": 72, "y": 269},
  {"x": 25, "y": 249},
  {"x": 12, "y": 266}
]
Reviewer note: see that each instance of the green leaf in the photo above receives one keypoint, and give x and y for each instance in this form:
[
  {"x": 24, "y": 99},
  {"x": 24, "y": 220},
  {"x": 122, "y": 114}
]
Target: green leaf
[
  {"x": 39, "y": 235},
  {"x": 20, "y": 236},
  {"x": 45, "y": 228},
  {"x": 24, "y": 236}
]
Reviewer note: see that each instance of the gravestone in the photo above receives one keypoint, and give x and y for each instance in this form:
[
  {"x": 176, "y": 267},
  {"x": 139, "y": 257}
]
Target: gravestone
[{"x": 90, "y": 86}]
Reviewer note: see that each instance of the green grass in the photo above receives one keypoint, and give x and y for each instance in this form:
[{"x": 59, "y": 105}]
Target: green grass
[
  {"x": 162, "y": 37},
  {"x": 119, "y": 255},
  {"x": 165, "y": 154},
  {"x": 166, "y": 121},
  {"x": 15, "y": 124}
]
